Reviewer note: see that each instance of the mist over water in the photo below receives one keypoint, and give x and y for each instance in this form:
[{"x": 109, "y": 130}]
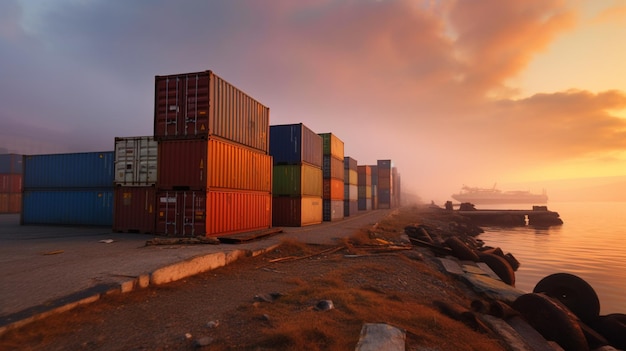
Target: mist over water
[{"x": 590, "y": 244}]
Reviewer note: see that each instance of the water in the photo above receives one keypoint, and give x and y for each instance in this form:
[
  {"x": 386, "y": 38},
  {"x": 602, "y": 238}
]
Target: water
[{"x": 590, "y": 244}]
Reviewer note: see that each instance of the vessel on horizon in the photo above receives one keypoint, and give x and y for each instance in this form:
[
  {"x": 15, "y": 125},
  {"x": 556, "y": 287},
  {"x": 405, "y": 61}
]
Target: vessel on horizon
[{"x": 485, "y": 196}]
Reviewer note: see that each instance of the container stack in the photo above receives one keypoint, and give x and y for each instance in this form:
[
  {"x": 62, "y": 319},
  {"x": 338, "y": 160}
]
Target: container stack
[
  {"x": 333, "y": 154},
  {"x": 214, "y": 167},
  {"x": 351, "y": 186},
  {"x": 374, "y": 169},
  {"x": 135, "y": 184},
  {"x": 10, "y": 183},
  {"x": 365, "y": 188},
  {"x": 397, "y": 200},
  {"x": 68, "y": 189},
  {"x": 297, "y": 179},
  {"x": 385, "y": 184}
]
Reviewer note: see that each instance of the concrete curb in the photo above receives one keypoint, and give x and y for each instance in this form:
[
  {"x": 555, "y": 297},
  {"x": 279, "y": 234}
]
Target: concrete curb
[{"x": 162, "y": 275}]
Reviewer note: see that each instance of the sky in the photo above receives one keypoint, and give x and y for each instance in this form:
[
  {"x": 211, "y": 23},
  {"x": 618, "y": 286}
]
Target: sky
[{"x": 454, "y": 92}]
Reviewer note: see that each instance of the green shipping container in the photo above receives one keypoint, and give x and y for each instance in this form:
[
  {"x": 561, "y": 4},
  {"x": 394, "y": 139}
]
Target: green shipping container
[{"x": 297, "y": 180}]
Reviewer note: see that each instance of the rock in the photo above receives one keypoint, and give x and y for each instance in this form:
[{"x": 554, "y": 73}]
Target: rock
[
  {"x": 204, "y": 341},
  {"x": 380, "y": 336},
  {"x": 213, "y": 324},
  {"x": 324, "y": 305}
]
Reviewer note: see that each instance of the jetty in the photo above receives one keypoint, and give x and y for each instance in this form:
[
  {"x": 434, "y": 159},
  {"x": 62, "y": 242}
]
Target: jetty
[{"x": 536, "y": 216}]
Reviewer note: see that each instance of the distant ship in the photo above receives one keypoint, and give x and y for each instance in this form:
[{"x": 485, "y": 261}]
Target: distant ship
[{"x": 486, "y": 196}]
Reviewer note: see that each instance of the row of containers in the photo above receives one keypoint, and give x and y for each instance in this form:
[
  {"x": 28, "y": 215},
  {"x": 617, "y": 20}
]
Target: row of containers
[
  {"x": 214, "y": 166},
  {"x": 10, "y": 183}
]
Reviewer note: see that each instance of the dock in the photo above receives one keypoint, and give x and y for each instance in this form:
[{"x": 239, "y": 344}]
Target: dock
[{"x": 537, "y": 216}]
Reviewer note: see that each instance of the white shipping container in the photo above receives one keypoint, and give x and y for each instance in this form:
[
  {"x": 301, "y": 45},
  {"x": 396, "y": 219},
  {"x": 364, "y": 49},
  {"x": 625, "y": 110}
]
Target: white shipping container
[{"x": 136, "y": 161}]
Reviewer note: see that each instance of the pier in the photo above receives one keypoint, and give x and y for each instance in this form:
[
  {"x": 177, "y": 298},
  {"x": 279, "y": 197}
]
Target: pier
[{"x": 537, "y": 216}]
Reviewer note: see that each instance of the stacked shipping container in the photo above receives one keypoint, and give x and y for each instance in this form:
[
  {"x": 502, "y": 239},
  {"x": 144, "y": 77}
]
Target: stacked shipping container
[
  {"x": 385, "y": 184},
  {"x": 10, "y": 183},
  {"x": 298, "y": 178},
  {"x": 136, "y": 166},
  {"x": 333, "y": 154},
  {"x": 351, "y": 186},
  {"x": 365, "y": 188},
  {"x": 213, "y": 163},
  {"x": 68, "y": 189},
  {"x": 374, "y": 170}
]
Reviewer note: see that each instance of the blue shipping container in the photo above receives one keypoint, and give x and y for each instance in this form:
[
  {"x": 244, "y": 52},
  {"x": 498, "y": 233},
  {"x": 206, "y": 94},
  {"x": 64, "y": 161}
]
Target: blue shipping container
[
  {"x": 10, "y": 164},
  {"x": 77, "y": 170},
  {"x": 293, "y": 144},
  {"x": 68, "y": 207}
]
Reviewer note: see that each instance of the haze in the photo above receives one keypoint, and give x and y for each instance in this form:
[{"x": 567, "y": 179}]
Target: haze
[{"x": 517, "y": 92}]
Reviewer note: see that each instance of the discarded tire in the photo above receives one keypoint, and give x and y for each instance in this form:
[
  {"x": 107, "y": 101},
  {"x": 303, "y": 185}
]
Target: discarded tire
[
  {"x": 613, "y": 328},
  {"x": 575, "y": 293},
  {"x": 460, "y": 250},
  {"x": 552, "y": 320},
  {"x": 500, "y": 267}
]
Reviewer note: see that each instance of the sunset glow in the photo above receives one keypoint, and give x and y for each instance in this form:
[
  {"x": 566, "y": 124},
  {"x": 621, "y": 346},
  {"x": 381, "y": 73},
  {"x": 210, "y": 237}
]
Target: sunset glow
[{"x": 454, "y": 92}]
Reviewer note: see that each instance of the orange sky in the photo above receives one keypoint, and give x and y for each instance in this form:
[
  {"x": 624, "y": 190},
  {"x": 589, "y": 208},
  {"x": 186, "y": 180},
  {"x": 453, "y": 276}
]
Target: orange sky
[{"x": 454, "y": 92}]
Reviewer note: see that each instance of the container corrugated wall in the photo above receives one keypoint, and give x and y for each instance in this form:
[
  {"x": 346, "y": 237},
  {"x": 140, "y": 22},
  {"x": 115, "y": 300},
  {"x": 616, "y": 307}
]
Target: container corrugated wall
[
  {"x": 297, "y": 180},
  {"x": 68, "y": 207},
  {"x": 10, "y": 183},
  {"x": 216, "y": 212},
  {"x": 385, "y": 184},
  {"x": 365, "y": 204},
  {"x": 10, "y": 202},
  {"x": 134, "y": 209},
  {"x": 333, "y": 189},
  {"x": 350, "y": 163},
  {"x": 76, "y": 170},
  {"x": 296, "y": 211},
  {"x": 350, "y": 207},
  {"x": 333, "y": 146},
  {"x": 212, "y": 163},
  {"x": 332, "y": 210},
  {"x": 293, "y": 144},
  {"x": 201, "y": 104},
  {"x": 350, "y": 192},
  {"x": 10, "y": 164},
  {"x": 333, "y": 168},
  {"x": 136, "y": 161}
]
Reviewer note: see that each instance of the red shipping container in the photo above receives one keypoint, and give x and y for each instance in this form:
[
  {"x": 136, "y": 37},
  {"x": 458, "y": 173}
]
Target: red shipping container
[
  {"x": 333, "y": 189},
  {"x": 212, "y": 163},
  {"x": 10, "y": 202},
  {"x": 298, "y": 211},
  {"x": 212, "y": 213},
  {"x": 134, "y": 209},
  {"x": 10, "y": 183},
  {"x": 201, "y": 104}
]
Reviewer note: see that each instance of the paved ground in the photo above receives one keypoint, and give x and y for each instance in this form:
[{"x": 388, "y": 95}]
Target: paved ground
[{"x": 43, "y": 268}]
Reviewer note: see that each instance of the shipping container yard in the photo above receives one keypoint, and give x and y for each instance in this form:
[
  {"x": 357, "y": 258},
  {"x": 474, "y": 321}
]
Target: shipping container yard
[{"x": 214, "y": 166}]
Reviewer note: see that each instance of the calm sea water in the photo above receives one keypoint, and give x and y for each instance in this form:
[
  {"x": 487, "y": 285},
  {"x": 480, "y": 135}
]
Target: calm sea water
[{"x": 590, "y": 244}]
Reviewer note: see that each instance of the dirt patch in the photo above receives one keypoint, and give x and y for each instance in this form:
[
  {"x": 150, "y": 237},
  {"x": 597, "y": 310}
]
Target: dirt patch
[{"x": 269, "y": 302}]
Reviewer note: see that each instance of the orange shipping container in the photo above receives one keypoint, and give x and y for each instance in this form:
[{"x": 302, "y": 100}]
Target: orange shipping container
[
  {"x": 10, "y": 202},
  {"x": 300, "y": 211},
  {"x": 333, "y": 189},
  {"x": 212, "y": 213},
  {"x": 213, "y": 163},
  {"x": 134, "y": 209}
]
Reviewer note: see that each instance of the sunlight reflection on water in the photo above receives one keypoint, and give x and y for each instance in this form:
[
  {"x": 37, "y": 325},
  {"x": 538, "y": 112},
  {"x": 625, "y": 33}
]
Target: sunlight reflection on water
[{"x": 590, "y": 244}]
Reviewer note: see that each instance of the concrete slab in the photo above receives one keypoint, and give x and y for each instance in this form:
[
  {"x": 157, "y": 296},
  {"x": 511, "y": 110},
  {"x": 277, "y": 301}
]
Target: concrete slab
[{"x": 47, "y": 268}]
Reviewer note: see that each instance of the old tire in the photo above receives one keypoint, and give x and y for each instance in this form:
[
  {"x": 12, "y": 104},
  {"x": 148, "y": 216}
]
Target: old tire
[
  {"x": 575, "y": 293},
  {"x": 500, "y": 267},
  {"x": 613, "y": 328},
  {"x": 552, "y": 320},
  {"x": 460, "y": 250}
]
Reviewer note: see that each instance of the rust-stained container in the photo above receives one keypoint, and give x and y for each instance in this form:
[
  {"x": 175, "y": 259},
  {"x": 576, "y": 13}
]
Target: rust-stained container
[
  {"x": 10, "y": 183},
  {"x": 213, "y": 163},
  {"x": 364, "y": 176},
  {"x": 201, "y": 105},
  {"x": 300, "y": 211},
  {"x": 332, "y": 210},
  {"x": 333, "y": 167},
  {"x": 11, "y": 164},
  {"x": 297, "y": 180},
  {"x": 12, "y": 202},
  {"x": 333, "y": 189},
  {"x": 136, "y": 161},
  {"x": 350, "y": 207},
  {"x": 333, "y": 146},
  {"x": 293, "y": 144},
  {"x": 212, "y": 213},
  {"x": 350, "y": 192},
  {"x": 134, "y": 209}
]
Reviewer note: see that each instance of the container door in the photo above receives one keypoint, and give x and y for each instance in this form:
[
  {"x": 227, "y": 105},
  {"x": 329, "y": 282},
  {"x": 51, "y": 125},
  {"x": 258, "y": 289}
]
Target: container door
[{"x": 168, "y": 209}]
